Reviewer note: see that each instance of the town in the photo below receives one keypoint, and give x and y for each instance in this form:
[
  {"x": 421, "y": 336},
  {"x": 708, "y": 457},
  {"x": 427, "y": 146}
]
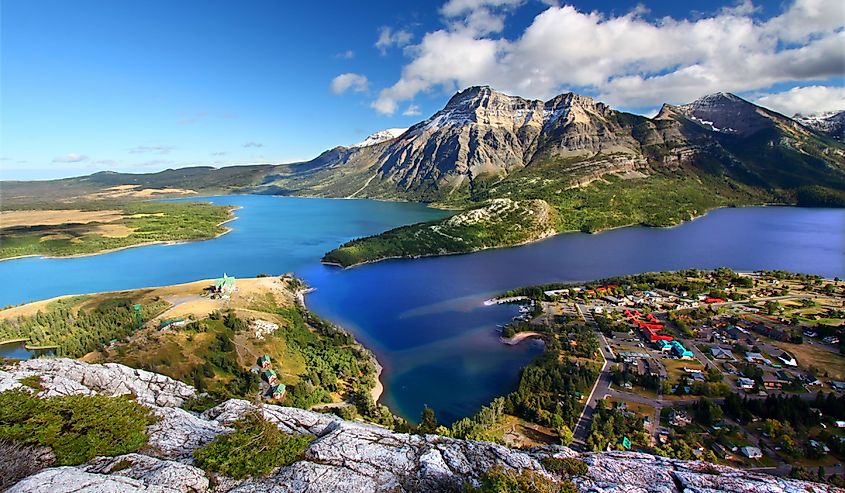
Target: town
[{"x": 745, "y": 369}]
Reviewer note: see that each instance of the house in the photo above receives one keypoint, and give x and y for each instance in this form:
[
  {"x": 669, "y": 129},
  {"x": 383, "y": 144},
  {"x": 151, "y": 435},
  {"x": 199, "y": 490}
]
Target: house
[
  {"x": 722, "y": 353},
  {"x": 278, "y": 391},
  {"x": 787, "y": 359},
  {"x": 656, "y": 369},
  {"x": 831, "y": 340},
  {"x": 784, "y": 377},
  {"x": 679, "y": 418},
  {"x": 224, "y": 286},
  {"x": 722, "y": 452},
  {"x": 756, "y": 358},
  {"x": 626, "y": 443},
  {"x": 771, "y": 382},
  {"x": 819, "y": 446},
  {"x": 263, "y": 362},
  {"x": 680, "y": 351},
  {"x": 270, "y": 377},
  {"x": 839, "y": 424},
  {"x": 745, "y": 383},
  {"x": 752, "y": 452},
  {"x": 838, "y": 385},
  {"x": 734, "y": 332}
]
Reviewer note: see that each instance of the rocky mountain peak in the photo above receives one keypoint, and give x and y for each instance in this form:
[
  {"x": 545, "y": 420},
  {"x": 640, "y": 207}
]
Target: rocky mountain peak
[
  {"x": 726, "y": 113},
  {"x": 380, "y": 136},
  {"x": 482, "y": 104},
  {"x": 831, "y": 123}
]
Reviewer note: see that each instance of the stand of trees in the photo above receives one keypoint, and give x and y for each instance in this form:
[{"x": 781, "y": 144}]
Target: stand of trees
[{"x": 76, "y": 333}]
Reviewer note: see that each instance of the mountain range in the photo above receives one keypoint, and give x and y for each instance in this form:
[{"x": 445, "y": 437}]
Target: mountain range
[{"x": 520, "y": 169}]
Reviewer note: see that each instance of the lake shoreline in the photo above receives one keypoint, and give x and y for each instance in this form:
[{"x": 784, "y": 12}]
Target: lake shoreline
[
  {"x": 226, "y": 231},
  {"x": 557, "y": 233}
]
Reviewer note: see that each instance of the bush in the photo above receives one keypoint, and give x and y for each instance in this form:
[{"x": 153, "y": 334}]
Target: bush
[
  {"x": 566, "y": 466},
  {"x": 498, "y": 480},
  {"x": 77, "y": 428},
  {"x": 254, "y": 449}
]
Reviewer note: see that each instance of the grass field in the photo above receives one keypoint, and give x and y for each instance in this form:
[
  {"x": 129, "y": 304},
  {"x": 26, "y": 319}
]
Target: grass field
[
  {"x": 807, "y": 355},
  {"x": 98, "y": 228},
  {"x": 516, "y": 432},
  {"x": 675, "y": 367}
]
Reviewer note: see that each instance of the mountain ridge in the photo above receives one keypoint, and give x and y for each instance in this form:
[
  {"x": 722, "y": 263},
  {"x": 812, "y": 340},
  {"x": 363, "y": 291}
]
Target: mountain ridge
[{"x": 591, "y": 166}]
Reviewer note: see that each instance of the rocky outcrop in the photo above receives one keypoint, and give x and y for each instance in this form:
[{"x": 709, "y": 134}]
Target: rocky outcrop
[
  {"x": 67, "y": 377},
  {"x": 344, "y": 457}
]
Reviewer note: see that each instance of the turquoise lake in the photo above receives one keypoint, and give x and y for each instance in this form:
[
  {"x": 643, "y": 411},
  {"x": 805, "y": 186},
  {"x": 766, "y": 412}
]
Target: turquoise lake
[{"x": 425, "y": 319}]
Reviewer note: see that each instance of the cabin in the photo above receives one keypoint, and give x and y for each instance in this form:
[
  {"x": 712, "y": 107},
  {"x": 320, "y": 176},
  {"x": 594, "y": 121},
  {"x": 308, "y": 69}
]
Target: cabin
[
  {"x": 752, "y": 452},
  {"x": 787, "y": 359},
  {"x": 278, "y": 391},
  {"x": 270, "y": 377},
  {"x": 679, "y": 418},
  {"x": 745, "y": 383},
  {"x": 264, "y": 362},
  {"x": 722, "y": 353},
  {"x": 722, "y": 452},
  {"x": 771, "y": 382}
]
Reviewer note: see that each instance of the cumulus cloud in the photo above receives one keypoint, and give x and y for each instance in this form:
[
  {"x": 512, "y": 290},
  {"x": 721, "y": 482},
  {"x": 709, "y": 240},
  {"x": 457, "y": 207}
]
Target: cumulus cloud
[
  {"x": 625, "y": 60},
  {"x": 477, "y": 17},
  {"x": 349, "y": 80},
  {"x": 809, "y": 99},
  {"x": 454, "y": 8},
  {"x": 71, "y": 158},
  {"x": 346, "y": 55},
  {"x": 253, "y": 145},
  {"x": 411, "y": 110},
  {"x": 151, "y": 149},
  {"x": 387, "y": 37}
]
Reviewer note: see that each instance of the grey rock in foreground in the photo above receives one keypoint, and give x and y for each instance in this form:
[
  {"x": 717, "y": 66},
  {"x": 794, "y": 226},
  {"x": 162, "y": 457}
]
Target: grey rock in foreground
[{"x": 344, "y": 457}]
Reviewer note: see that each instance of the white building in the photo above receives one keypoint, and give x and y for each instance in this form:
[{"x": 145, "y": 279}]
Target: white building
[{"x": 752, "y": 452}]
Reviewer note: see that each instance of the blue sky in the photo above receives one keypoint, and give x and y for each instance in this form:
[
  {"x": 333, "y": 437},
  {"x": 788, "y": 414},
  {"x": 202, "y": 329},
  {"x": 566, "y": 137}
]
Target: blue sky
[{"x": 144, "y": 86}]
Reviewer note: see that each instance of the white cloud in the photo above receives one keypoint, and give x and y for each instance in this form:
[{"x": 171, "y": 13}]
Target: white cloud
[
  {"x": 626, "y": 60},
  {"x": 809, "y": 99},
  {"x": 454, "y": 8},
  {"x": 253, "y": 145},
  {"x": 344, "y": 82},
  {"x": 411, "y": 110},
  {"x": 387, "y": 37},
  {"x": 71, "y": 158},
  {"x": 346, "y": 55}
]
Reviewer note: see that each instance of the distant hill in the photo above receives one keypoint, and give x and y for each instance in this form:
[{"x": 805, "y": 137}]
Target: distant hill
[{"x": 522, "y": 169}]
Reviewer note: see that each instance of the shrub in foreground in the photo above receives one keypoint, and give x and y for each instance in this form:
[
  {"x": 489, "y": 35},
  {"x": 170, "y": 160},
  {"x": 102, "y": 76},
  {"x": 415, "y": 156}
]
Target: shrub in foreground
[
  {"x": 499, "y": 480},
  {"x": 77, "y": 427},
  {"x": 254, "y": 449}
]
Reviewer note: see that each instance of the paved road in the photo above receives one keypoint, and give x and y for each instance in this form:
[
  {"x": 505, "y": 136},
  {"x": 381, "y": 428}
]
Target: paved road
[{"x": 600, "y": 389}]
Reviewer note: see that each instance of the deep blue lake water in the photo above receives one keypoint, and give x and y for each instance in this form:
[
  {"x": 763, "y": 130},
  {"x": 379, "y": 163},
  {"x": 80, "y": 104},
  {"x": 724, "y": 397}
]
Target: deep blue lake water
[{"x": 425, "y": 318}]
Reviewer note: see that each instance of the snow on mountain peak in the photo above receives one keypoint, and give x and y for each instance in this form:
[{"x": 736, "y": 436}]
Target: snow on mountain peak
[{"x": 380, "y": 136}]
